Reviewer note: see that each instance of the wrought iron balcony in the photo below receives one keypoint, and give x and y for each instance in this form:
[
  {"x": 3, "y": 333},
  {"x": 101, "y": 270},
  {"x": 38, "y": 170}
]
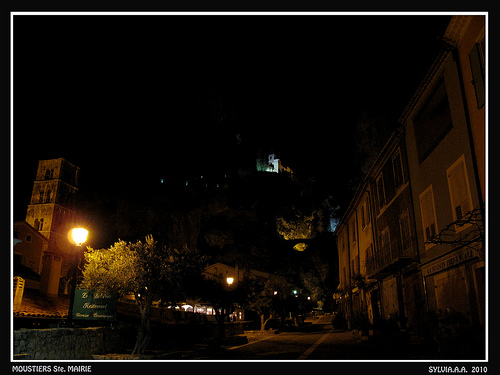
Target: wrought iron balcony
[{"x": 390, "y": 258}]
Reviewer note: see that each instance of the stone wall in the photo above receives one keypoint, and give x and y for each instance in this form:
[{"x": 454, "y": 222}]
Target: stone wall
[
  {"x": 83, "y": 343},
  {"x": 71, "y": 343}
]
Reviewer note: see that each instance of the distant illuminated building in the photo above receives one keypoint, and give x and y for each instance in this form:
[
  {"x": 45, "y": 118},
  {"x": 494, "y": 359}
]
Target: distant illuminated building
[{"x": 272, "y": 164}]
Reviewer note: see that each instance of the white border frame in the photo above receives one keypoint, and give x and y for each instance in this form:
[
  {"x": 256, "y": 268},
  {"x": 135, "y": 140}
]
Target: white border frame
[{"x": 233, "y": 13}]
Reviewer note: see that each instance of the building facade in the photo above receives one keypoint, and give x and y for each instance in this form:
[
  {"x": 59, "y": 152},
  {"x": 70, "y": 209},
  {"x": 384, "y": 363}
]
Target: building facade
[
  {"x": 377, "y": 241},
  {"x": 447, "y": 168},
  {"x": 412, "y": 240},
  {"x": 29, "y": 248},
  {"x": 393, "y": 260},
  {"x": 52, "y": 213},
  {"x": 355, "y": 241}
]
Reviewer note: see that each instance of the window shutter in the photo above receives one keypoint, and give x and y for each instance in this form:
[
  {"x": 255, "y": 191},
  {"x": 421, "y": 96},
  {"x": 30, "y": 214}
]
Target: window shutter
[
  {"x": 369, "y": 251},
  {"x": 404, "y": 223},
  {"x": 353, "y": 230},
  {"x": 363, "y": 216},
  {"x": 381, "y": 191},
  {"x": 459, "y": 190},
  {"x": 385, "y": 239},
  {"x": 398, "y": 170},
  {"x": 477, "y": 74},
  {"x": 428, "y": 215}
]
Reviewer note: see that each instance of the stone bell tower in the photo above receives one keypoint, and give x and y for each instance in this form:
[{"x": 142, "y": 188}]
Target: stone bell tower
[{"x": 52, "y": 212}]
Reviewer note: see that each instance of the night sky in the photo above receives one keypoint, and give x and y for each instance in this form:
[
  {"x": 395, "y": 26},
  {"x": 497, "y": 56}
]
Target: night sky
[{"x": 139, "y": 98}]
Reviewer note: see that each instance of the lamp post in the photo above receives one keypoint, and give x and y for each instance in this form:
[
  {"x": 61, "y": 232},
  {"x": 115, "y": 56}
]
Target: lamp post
[
  {"x": 230, "y": 282},
  {"x": 78, "y": 236}
]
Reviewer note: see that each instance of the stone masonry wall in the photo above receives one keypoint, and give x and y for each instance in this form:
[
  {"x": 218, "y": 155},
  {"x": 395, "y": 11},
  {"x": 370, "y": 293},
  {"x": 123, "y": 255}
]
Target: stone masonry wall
[{"x": 71, "y": 343}]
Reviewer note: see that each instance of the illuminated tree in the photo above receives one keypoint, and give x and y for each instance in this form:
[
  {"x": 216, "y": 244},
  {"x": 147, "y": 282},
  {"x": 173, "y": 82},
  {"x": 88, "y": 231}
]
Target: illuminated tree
[{"x": 148, "y": 270}]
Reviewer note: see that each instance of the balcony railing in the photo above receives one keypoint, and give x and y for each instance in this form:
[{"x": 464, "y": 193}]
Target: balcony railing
[{"x": 391, "y": 257}]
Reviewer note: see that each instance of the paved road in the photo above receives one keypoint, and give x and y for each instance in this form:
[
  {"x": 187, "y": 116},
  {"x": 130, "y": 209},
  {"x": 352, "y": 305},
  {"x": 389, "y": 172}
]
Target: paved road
[
  {"x": 316, "y": 341},
  {"x": 286, "y": 345}
]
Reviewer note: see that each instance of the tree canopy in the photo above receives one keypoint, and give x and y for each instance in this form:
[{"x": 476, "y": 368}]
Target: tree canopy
[{"x": 148, "y": 270}]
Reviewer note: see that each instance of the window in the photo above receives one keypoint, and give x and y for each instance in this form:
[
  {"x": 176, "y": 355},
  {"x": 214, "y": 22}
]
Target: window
[
  {"x": 397, "y": 168},
  {"x": 460, "y": 195},
  {"x": 368, "y": 212},
  {"x": 433, "y": 122},
  {"x": 385, "y": 239},
  {"x": 371, "y": 260},
  {"x": 404, "y": 225},
  {"x": 381, "y": 191},
  {"x": 28, "y": 238},
  {"x": 369, "y": 252},
  {"x": 429, "y": 221},
  {"x": 355, "y": 266},
  {"x": 365, "y": 214},
  {"x": 352, "y": 229},
  {"x": 477, "y": 59},
  {"x": 343, "y": 241},
  {"x": 344, "y": 273}
]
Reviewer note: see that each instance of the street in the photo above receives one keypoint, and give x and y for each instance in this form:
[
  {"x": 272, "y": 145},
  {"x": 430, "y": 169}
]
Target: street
[
  {"x": 286, "y": 345},
  {"x": 304, "y": 344},
  {"x": 316, "y": 341}
]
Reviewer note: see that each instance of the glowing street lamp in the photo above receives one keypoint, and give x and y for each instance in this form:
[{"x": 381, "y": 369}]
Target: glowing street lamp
[
  {"x": 229, "y": 280},
  {"x": 78, "y": 236}
]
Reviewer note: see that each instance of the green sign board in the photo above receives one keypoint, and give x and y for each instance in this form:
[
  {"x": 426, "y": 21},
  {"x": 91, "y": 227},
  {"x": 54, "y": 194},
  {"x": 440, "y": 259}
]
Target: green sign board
[{"x": 90, "y": 304}]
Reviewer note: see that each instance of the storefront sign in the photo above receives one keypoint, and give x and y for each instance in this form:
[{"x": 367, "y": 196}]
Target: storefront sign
[
  {"x": 92, "y": 305},
  {"x": 449, "y": 262}
]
